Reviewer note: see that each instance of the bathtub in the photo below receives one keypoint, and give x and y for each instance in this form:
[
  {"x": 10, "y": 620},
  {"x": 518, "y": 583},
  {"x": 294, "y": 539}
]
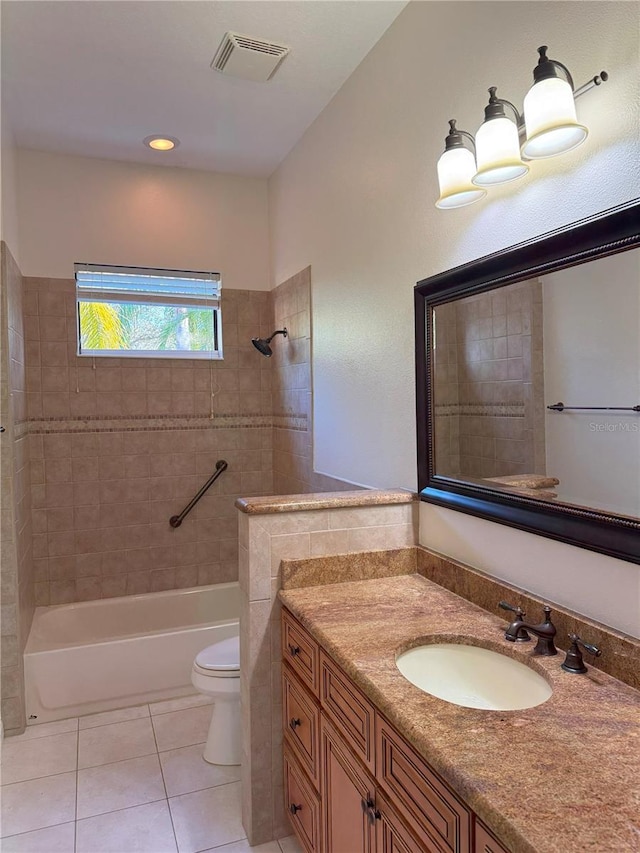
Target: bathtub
[{"x": 101, "y": 655}]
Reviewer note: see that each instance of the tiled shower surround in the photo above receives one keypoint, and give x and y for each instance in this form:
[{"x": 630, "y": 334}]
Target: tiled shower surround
[
  {"x": 292, "y": 447},
  {"x": 119, "y": 445}
]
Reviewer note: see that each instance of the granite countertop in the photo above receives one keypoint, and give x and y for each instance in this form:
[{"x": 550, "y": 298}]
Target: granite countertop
[
  {"x": 324, "y": 500},
  {"x": 563, "y": 777}
]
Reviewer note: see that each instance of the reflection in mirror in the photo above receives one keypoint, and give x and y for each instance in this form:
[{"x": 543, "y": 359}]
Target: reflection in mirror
[{"x": 501, "y": 358}]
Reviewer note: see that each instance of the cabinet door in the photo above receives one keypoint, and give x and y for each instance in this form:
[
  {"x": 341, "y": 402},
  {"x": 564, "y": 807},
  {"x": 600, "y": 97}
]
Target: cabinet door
[
  {"x": 348, "y": 798},
  {"x": 392, "y": 836}
]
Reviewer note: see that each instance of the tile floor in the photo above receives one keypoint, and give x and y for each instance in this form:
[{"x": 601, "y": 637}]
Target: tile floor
[{"x": 129, "y": 781}]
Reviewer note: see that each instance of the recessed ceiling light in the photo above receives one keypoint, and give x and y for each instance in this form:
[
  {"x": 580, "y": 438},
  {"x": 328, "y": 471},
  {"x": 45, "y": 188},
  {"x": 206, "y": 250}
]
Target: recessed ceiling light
[{"x": 161, "y": 143}]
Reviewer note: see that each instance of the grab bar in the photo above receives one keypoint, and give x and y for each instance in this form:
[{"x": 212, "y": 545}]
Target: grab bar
[
  {"x": 560, "y": 407},
  {"x": 176, "y": 520}
]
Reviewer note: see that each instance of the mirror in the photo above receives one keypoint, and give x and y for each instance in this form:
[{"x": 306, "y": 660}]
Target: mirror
[{"x": 528, "y": 366}]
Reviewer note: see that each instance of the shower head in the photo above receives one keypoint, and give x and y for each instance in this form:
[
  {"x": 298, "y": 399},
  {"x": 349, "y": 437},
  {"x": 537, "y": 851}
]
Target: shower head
[{"x": 262, "y": 344}]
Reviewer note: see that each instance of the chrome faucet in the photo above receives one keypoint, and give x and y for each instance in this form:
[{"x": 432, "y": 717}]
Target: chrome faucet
[{"x": 545, "y": 632}]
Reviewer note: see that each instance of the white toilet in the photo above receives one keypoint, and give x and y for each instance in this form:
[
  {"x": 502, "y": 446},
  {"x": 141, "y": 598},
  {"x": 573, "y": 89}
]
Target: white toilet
[{"x": 216, "y": 673}]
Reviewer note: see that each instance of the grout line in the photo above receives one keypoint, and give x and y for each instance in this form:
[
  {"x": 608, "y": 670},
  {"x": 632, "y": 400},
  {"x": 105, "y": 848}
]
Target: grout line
[
  {"x": 38, "y": 829},
  {"x": 208, "y": 788},
  {"x": 123, "y": 809},
  {"x": 164, "y": 785},
  {"x": 119, "y": 761},
  {"x": 75, "y": 822},
  {"x": 36, "y": 778}
]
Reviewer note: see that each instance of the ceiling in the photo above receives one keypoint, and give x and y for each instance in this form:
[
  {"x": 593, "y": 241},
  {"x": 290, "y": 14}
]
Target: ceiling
[{"x": 95, "y": 77}]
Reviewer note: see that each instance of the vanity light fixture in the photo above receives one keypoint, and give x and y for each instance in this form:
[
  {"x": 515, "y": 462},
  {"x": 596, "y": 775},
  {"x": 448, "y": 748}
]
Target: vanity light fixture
[
  {"x": 550, "y": 111},
  {"x": 549, "y": 127},
  {"x": 161, "y": 143},
  {"x": 498, "y": 145},
  {"x": 456, "y": 168}
]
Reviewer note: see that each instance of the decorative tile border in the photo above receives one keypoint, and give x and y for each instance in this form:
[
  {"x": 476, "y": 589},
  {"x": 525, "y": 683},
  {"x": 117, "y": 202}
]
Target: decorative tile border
[
  {"x": 155, "y": 423},
  {"x": 483, "y": 410},
  {"x": 20, "y": 430}
]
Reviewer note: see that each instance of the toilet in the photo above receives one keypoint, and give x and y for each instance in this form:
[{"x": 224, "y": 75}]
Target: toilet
[{"x": 216, "y": 673}]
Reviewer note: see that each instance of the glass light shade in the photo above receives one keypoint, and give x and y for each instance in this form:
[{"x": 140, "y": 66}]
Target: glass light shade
[
  {"x": 550, "y": 119},
  {"x": 498, "y": 153},
  {"x": 456, "y": 168}
]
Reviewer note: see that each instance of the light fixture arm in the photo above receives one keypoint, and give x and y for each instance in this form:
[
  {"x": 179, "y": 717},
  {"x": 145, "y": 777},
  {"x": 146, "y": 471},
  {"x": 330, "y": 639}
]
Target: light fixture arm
[
  {"x": 453, "y": 138},
  {"x": 598, "y": 80},
  {"x": 495, "y": 100}
]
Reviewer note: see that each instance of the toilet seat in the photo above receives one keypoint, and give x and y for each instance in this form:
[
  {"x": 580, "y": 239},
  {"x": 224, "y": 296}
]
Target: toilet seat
[{"x": 220, "y": 660}]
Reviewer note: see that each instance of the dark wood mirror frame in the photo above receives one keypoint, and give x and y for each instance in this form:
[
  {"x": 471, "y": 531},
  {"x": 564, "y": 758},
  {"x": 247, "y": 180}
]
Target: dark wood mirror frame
[{"x": 615, "y": 230}]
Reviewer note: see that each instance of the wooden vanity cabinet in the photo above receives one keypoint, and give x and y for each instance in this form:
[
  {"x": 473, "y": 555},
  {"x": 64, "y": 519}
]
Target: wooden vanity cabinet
[{"x": 352, "y": 783}]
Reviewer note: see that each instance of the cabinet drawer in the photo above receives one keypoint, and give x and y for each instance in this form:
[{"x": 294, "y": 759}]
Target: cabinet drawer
[
  {"x": 301, "y": 652},
  {"x": 485, "y": 842},
  {"x": 349, "y": 710},
  {"x": 441, "y": 821},
  {"x": 301, "y": 721},
  {"x": 302, "y": 804}
]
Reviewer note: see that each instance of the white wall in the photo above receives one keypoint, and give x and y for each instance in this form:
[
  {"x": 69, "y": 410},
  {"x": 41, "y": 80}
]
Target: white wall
[
  {"x": 592, "y": 358},
  {"x": 355, "y": 199},
  {"x": 102, "y": 211},
  {"x": 601, "y": 587}
]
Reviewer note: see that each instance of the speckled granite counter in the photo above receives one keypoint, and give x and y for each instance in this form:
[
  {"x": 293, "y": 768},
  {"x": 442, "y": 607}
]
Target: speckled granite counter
[
  {"x": 324, "y": 500},
  {"x": 560, "y": 778}
]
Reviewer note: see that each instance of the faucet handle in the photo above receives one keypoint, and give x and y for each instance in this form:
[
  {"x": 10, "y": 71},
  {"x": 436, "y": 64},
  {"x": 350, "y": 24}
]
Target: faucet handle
[
  {"x": 506, "y": 606},
  {"x": 573, "y": 662},
  {"x": 522, "y": 635}
]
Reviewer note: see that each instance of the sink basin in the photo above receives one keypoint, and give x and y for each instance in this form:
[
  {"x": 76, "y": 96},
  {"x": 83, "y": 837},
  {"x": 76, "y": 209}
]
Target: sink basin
[{"x": 473, "y": 677}]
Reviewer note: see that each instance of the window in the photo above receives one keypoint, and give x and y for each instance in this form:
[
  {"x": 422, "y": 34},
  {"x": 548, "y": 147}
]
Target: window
[{"x": 130, "y": 311}]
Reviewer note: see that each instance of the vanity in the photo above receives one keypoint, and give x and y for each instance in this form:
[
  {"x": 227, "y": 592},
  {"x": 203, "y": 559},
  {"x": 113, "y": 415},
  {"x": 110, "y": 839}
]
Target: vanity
[{"x": 372, "y": 763}]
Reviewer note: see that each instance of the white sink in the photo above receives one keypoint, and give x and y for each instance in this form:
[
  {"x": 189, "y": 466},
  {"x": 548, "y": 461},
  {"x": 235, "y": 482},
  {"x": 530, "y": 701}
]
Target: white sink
[{"x": 473, "y": 677}]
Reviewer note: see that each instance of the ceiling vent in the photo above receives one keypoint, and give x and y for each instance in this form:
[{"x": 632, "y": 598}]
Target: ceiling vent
[{"x": 249, "y": 58}]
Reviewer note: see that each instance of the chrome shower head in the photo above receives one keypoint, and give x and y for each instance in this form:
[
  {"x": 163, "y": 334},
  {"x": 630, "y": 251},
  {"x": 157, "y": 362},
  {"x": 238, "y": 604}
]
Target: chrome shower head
[{"x": 262, "y": 344}]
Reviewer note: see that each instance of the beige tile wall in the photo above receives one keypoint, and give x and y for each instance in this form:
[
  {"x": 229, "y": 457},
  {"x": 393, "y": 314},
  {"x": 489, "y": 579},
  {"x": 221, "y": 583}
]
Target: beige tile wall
[
  {"x": 264, "y": 541},
  {"x": 16, "y": 569},
  {"x": 120, "y": 445},
  {"x": 292, "y": 392},
  {"x": 489, "y": 386}
]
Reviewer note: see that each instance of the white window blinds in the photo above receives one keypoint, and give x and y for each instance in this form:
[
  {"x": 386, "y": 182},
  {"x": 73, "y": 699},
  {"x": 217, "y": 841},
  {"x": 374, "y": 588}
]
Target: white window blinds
[{"x": 130, "y": 284}]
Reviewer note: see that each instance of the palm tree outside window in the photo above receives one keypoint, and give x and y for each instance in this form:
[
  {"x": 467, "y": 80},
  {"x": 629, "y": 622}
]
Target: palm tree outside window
[{"x": 149, "y": 313}]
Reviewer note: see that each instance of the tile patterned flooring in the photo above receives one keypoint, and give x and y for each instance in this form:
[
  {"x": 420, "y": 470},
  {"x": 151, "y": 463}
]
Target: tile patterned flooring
[{"x": 128, "y": 781}]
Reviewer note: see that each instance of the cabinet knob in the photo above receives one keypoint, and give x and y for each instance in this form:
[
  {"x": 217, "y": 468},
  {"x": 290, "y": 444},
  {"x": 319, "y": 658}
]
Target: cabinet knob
[
  {"x": 369, "y": 807},
  {"x": 294, "y": 650},
  {"x": 293, "y": 808},
  {"x": 293, "y": 723}
]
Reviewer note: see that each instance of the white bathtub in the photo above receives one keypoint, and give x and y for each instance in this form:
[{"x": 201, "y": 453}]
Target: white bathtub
[{"x": 100, "y": 655}]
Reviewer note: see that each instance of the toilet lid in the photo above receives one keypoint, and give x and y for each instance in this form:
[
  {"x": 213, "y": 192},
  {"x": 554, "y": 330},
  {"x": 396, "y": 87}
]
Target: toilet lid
[{"x": 222, "y": 656}]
